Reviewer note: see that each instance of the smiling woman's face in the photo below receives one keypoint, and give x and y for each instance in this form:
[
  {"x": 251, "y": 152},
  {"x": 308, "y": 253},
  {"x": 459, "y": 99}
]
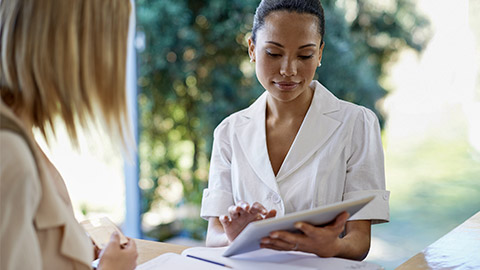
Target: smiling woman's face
[{"x": 287, "y": 52}]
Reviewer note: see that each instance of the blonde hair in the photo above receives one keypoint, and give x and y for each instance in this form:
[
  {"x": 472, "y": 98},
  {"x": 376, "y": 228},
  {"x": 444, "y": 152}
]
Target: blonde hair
[{"x": 67, "y": 59}]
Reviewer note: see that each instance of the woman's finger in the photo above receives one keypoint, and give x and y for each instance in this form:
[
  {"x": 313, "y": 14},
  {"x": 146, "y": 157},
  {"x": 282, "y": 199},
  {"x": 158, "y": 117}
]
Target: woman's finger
[
  {"x": 243, "y": 205},
  {"x": 115, "y": 238},
  {"x": 239, "y": 209},
  {"x": 258, "y": 208},
  {"x": 233, "y": 211},
  {"x": 279, "y": 244},
  {"x": 224, "y": 220},
  {"x": 339, "y": 223},
  {"x": 287, "y": 237},
  {"x": 131, "y": 244},
  {"x": 308, "y": 229},
  {"x": 272, "y": 213}
]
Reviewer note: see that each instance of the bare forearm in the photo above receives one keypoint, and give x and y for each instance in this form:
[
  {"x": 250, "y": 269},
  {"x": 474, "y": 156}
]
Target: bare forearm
[
  {"x": 356, "y": 243},
  {"x": 216, "y": 236}
]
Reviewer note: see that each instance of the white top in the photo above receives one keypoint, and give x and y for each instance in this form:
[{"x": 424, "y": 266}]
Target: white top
[{"x": 337, "y": 155}]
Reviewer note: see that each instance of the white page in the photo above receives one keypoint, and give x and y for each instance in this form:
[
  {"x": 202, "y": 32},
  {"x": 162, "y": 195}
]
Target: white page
[
  {"x": 177, "y": 262},
  {"x": 279, "y": 260},
  {"x": 215, "y": 254}
]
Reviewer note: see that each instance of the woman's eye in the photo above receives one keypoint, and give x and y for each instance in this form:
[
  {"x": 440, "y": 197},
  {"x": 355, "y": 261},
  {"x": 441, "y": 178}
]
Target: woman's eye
[
  {"x": 273, "y": 54},
  {"x": 305, "y": 56}
]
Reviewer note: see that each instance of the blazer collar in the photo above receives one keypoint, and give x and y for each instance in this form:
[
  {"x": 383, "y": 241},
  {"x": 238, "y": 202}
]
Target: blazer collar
[
  {"x": 316, "y": 129},
  {"x": 251, "y": 134},
  {"x": 53, "y": 211}
]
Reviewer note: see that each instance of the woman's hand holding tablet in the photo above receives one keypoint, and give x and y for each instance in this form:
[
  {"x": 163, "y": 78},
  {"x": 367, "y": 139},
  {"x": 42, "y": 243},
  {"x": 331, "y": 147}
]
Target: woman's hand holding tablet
[
  {"x": 250, "y": 237},
  {"x": 323, "y": 241}
]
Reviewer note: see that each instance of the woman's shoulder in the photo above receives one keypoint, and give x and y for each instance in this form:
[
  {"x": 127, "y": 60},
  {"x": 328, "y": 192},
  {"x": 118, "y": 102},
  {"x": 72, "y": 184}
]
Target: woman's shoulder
[
  {"x": 242, "y": 117},
  {"x": 340, "y": 109},
  {"x": 18, "y": 170},
  {"x": 230, "y": 121},
  {"x": 357, "y": 111},
  {"x": 16, "y": 154},
  {"x": 336, "y": 107}
]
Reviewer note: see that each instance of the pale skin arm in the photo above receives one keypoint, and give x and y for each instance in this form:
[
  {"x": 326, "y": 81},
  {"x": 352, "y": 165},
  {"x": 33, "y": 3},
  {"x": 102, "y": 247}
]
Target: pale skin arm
[
  {"x": 325, "y": 241},
  {"x": 224, "y": 229}
]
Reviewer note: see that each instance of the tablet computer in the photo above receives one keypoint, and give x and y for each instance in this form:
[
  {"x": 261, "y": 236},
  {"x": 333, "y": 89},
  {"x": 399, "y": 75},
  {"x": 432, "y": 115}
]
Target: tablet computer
[
  {"x": 249, "y": 238},
  {"x": 100, "y": 230}
]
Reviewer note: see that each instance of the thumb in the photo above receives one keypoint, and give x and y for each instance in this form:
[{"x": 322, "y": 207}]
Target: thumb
[
  {"x": 272, "y": 213},
  {"x": 306, "y": 228},
  {"x": 131, "y": 243},
  {"x": 340, "y": 220},
  {"x": 115, "y": 238}
]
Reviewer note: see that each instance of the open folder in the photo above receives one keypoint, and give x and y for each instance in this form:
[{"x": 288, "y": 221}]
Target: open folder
[
  {"x": 202, "y": 258},
  {"x": 245, "y": 252},
  {"x": 249, "y": 238}
]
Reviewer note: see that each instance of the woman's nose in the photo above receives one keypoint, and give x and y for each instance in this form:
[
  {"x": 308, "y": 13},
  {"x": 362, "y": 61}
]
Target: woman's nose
[{"x": 288, "y": 68}]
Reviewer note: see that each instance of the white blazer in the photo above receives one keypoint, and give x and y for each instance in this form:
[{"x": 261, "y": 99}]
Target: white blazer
[{"x": 337, "y": 154}]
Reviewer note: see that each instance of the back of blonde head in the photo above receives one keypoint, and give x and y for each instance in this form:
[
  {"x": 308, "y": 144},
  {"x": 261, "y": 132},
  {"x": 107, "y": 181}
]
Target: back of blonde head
[{"x": 66, "y": 58}]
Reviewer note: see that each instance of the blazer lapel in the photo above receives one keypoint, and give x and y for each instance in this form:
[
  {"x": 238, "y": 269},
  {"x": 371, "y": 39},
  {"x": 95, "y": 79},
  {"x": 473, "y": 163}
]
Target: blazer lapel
[
  {"x": 54, "y": 213},
  {"x": 251, "y": 135},
  {"x": 316, "y": 129}
]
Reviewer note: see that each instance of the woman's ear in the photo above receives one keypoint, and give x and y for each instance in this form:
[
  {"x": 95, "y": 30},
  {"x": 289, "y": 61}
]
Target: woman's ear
[
  {"x": 320, "y": 53},
  {"x": 251, "y": 49}
]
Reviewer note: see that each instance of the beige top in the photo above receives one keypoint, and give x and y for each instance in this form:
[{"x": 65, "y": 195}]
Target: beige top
[{"x": 38, "y": 229}]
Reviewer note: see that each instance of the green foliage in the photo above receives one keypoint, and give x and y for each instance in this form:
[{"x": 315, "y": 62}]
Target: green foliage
[
  {"x": 358, "y": 49},
  {"x": 194, "y": 72}
]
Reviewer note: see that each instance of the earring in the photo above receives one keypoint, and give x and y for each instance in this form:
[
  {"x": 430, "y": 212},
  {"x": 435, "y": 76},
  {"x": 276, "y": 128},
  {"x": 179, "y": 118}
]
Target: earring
[
  {"x": 319, "y": 64},
  {"x": 252, "y": 60}
]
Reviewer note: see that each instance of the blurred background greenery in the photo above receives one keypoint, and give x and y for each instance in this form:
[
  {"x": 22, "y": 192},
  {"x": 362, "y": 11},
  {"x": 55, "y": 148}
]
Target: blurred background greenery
[
  {"x": 414, "y": 62},
  {"x": 194, "y": 71}
]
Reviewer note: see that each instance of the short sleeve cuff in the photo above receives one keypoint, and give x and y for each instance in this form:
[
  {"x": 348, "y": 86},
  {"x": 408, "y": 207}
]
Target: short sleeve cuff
[
  {"x": 377, "y": 210},
  {"x": 215, "y": 202}
]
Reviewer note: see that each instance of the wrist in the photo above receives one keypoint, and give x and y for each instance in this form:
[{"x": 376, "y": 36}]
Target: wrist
[
  {"x": 339, "y": 247},
  {"x": 335, "y": 249},
  {"x": 348, "y": 249}
]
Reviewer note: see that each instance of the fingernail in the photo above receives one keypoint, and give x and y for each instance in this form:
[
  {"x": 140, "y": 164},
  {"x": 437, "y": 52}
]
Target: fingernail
[
  {"x": 274, "y": 235},
  {"x": 265, "y": 241},
  {"x": 298, "y": 225}
]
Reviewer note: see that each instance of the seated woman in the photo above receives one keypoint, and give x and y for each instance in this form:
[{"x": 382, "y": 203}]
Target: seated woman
[
  {"x": 296, "y": 147},
  {"x": 60, "y": 60}
]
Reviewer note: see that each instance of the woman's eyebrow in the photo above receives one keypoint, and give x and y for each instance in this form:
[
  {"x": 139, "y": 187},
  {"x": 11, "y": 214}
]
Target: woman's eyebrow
[
  {"x": 308, "y": 45},
  {"x": 301, "y": 47}
]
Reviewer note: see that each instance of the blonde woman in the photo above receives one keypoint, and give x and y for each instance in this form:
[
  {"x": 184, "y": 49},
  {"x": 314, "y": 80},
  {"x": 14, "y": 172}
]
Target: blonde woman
[{"x": 59, "y": 60}]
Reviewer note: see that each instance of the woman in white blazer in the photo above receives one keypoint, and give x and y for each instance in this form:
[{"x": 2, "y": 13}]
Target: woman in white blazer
[{"x": 296, "y": 147}]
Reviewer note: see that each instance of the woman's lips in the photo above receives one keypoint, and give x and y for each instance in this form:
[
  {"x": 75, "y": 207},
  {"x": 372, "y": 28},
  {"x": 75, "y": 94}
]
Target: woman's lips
[{"x": 286, "y": 85}]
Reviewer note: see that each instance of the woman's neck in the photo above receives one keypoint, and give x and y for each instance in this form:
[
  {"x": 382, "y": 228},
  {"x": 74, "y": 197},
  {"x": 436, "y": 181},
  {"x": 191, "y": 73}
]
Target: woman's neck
[
  {"x": 26, "y": 121},
  {"x": 296, "y": 108}
]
